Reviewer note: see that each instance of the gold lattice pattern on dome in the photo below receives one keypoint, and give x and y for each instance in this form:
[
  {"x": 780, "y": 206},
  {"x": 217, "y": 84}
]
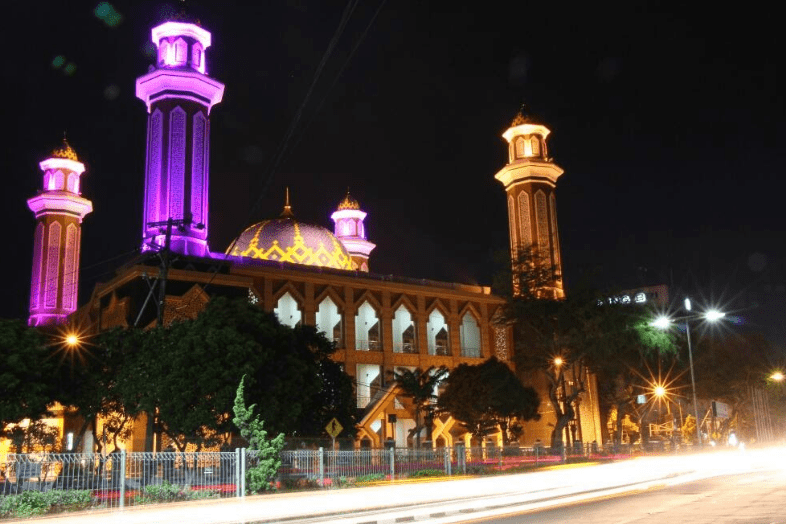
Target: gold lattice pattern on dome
[
  {"x": 65, "y": 151},
  {"x": 349, "y": 203},
  {"x": 298, "y": 253}
]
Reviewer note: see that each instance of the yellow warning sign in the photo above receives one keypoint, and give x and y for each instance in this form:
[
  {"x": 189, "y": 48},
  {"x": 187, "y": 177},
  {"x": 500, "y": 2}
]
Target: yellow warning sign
[{"x": 334, "y": 427}]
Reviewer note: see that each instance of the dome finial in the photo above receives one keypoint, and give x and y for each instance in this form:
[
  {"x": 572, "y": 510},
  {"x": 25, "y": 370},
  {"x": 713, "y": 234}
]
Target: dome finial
[
  {"x": 524, "y": 116},
  {"x": 65, "y": 151},
  {"x": 349, "y": 202},
  {"x": 287, "y": 212}
]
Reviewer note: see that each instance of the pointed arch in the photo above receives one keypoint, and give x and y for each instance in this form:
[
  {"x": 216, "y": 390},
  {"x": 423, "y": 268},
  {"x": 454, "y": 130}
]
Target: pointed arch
[
  {"x": 52, "y": 282},
  {"x": 554, "y": 231},
  {"x": 38, "y": 256},
  {"x": 437, "y": 331},
  {"x": 181, "y": 51},
  {"x": 329, "y": 319},
  {"x": 404, "y": 329},
  {"x": 469, "y": 334},
  {"x": 524, "y": 221},
  {"x": 153, "y": 196},
  {"x": 542, "y": 222},
  {"x": 198, "y": 169},
  {"x": 368, "y": 329},
  {"x": 512, "y": 224},
  {"x": 368, "y": 296},
  {"x": 71, "y": 268},
  {"x": 288, "y": 310}
]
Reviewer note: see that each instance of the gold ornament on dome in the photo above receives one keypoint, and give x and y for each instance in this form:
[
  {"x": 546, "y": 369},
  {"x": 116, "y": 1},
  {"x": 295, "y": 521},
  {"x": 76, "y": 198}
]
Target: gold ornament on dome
[
  {"x": 65, "y": 151},
  {"x": 348, "y": 203},
  {"x": 269, "y": 242}
]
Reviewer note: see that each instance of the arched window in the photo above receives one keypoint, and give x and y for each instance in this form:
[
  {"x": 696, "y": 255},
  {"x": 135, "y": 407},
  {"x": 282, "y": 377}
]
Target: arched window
[
  {"x": 404, "y": 340},
  {"x": 71, "y": 185},
  {"x": 329, "y": 320},
  {"x": 367, "y": 333},
  {"x": 196, "y": 56},
  {"x": 437, "y": 333},
  {"x": 165, "y": 54},
  {"x": 470, "y": 336},
  {"x": 181, "y": 49},
  {"x": 520, "y": 148},
  {"x": 535, "y": 146},
  {"x": 59, "y": 180},
  {"x": 369, "y": 383},
  {"x": 288, "y": 310}
]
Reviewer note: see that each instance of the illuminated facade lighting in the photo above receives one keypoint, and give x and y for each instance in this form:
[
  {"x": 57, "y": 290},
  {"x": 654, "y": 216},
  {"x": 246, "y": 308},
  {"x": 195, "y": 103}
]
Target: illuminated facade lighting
[
  {"x": 179, "y": 97},
  {"x": 350, "y": 231},
  {"x": 59, "y": 210}
]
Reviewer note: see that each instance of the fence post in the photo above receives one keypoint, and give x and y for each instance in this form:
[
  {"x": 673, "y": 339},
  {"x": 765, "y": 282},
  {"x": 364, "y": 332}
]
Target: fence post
[
  {"x": 537, "y": 453},
  {"x": 237, "y": 472},
  {"x": 122, "y": 478},
  {"x": 243, "y": 472},
  {"x": 447, "y": 461},
  {"x": 392, "y": 463},
  {"x": 322, "y": 467}
]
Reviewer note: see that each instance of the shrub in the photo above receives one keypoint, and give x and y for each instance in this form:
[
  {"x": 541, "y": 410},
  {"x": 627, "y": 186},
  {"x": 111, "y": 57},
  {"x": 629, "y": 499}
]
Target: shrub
[
  {"x": 372, "y": 477},
  {"x": 31, "y": 503},
  {"x": 426, "y": 473},
  {"x": 167, "y": 492}
]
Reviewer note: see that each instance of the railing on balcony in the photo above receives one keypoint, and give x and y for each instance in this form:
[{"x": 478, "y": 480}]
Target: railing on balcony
[
  {"x": 470, "y": 352},
  {"x": 405, "y": 347},
  {"x": 368, "y": 345},
  {"x": 363, "y": 401},
  {"x": 440, "y": 349}
]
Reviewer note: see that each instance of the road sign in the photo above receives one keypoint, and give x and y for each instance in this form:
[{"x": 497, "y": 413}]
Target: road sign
[{"x": 334, "y": 427}]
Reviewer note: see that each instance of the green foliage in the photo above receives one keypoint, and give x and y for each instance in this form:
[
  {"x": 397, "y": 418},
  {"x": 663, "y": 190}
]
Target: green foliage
[
  {"x": 422, "y": 473},
  {"x": 166, "y": 492},
  {"x": 486, "y": 396},
  {"x": 25, "y": 375},
  {"x": 196, "y": 363},
  {"x": 371, "y": 477},
  {"x": 419, "y": 386},
  {"x": 33, "y": 503},
  {"x": 268, "y": 452}
]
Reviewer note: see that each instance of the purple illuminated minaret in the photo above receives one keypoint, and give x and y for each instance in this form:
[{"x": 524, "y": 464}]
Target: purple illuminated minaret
[
  {"x": 351, "y": 231},
  {"x": 59, "y": 211},
  {"x": 179, "y": 96}
]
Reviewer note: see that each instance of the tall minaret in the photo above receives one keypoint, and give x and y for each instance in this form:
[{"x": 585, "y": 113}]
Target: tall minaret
[
  {"x": 59, "y": 211},
  {"x": 530, "y": 180},
  {"x": 179, "y": 96},
  {"x": 349, "y": 229}
]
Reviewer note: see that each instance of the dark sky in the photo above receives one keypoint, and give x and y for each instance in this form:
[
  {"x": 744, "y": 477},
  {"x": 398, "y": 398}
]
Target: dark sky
[{"x": 667, "y": 121}]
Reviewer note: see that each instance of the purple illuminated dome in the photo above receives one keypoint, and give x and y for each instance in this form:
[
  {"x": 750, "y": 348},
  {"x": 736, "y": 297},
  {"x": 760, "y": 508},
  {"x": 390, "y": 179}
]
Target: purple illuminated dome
[{"x": 287, "y": 240}]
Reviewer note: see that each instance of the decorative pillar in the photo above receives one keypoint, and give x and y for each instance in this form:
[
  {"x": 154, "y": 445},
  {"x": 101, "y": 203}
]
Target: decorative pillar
[
  {"x": 351, "y": 232},
  {"x": 530, "y": 180},
  {"x": 59, "y": 211},
  {"x": 179, "y": 96}
]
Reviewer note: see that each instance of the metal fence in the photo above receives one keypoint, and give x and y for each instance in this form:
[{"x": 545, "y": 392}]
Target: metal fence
[{"x": 122, "y": 479}]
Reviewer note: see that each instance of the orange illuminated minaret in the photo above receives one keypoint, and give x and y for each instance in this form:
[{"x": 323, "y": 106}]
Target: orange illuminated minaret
[
  {"x": 351, "y": 231},
  {"x": 530, "y": 180},
  {"x": 59, "y": 211}
]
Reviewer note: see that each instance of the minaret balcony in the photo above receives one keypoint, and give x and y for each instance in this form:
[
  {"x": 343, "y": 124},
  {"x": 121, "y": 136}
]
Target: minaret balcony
[
  {"x": 60, "y": 202},
  {"x": 161, "y": 84}
]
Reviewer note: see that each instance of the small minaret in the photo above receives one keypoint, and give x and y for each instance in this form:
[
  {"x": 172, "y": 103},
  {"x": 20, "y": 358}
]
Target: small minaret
[
  {"x": 530, "y": 180},
  {"x": 59, "y": 211},
  {"x": 179, "y": 96},
  {"x": 349, "y": 229}
]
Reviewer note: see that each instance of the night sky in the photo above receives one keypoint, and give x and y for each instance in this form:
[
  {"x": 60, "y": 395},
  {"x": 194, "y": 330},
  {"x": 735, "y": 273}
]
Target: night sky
[{"x": 667, "y": 121}]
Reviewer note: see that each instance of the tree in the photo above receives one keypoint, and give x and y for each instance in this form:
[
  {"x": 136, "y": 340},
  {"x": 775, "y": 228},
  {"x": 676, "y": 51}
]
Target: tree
[
  {"x": 185, "y": 374},
  {"x": 487, "y": 396},
  {"x": 25, "y": 376},
  {"x": 419, "y": 386},
  {"x": 566, "y": 338},
  {"x": 268, "y": 451}
]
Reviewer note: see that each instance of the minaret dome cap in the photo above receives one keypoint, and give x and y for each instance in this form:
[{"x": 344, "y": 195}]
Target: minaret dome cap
[
  {"x": 64, "y": 151},
  {"x": 349, "y": 203}
]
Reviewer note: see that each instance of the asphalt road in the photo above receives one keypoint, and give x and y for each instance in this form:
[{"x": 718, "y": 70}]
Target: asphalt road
[{"x": 752, "y": 498}]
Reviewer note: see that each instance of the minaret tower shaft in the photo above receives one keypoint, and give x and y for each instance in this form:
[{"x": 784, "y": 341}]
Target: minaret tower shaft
[
  {"x": 179, "y": 96},
  {"x": 59, "y": 211},
  {"x": 350, "y": 231},
  {"x": 530, "y": 180}
]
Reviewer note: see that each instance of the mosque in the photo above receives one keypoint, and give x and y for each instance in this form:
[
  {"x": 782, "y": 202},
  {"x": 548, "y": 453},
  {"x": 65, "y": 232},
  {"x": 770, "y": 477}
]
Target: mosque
[{"x": 304, "y": 273}]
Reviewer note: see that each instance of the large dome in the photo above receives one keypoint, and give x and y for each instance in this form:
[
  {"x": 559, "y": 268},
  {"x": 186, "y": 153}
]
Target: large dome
[{"x": 287, "y": 240}]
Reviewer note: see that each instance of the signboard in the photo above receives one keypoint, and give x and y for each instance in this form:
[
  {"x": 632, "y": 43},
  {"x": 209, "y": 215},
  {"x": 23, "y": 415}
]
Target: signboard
[
  {"x": 333, "y": 428},
  {"x": 641, "y": 399}
]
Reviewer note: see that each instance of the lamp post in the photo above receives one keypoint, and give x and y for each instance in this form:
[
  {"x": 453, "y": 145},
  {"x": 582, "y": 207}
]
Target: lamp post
[
  {"x": 711, "y": 316},
  {"x": 692, "y": 376}
]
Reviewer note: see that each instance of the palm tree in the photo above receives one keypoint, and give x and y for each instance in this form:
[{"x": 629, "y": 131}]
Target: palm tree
[{"x": 419, "y": 386}]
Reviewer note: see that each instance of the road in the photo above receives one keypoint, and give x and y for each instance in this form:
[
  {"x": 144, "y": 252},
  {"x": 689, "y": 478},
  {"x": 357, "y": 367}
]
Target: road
[{"x": 758, "y": 497}]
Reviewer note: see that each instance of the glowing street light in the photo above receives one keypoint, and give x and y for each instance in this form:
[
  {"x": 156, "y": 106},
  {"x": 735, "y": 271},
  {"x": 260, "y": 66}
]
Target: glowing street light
[
  {"x": 659, "y": 391},
  {"x": 663, "y": 322},
  {"x": 778, "y": 376},
  {"x": 558, "y": 361},
  {"x": 72, "y": 340}
]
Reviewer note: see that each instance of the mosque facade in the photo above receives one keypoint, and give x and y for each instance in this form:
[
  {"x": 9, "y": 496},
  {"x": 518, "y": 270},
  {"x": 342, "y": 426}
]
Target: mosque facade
[{"x": 304, "y": 273}]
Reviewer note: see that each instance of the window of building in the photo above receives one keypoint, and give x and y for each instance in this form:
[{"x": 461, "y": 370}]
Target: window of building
[
  {"x": 288, "y": 311},
  {"x": 369, "y": 383},
  {"x": 404, "y": 331},
  {"x": 535, "y": 146},
  {"x": 367, "y": 332},
  {"x": 470, "y": 336},
  {"x": 437, "y": 332},
  {"x": 329, "y": 321}
]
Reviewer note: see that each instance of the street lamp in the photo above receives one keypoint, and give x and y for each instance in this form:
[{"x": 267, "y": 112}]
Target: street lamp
[
  {"x": 778, "y": 376},
  {"x": 663, "y": 322}
]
